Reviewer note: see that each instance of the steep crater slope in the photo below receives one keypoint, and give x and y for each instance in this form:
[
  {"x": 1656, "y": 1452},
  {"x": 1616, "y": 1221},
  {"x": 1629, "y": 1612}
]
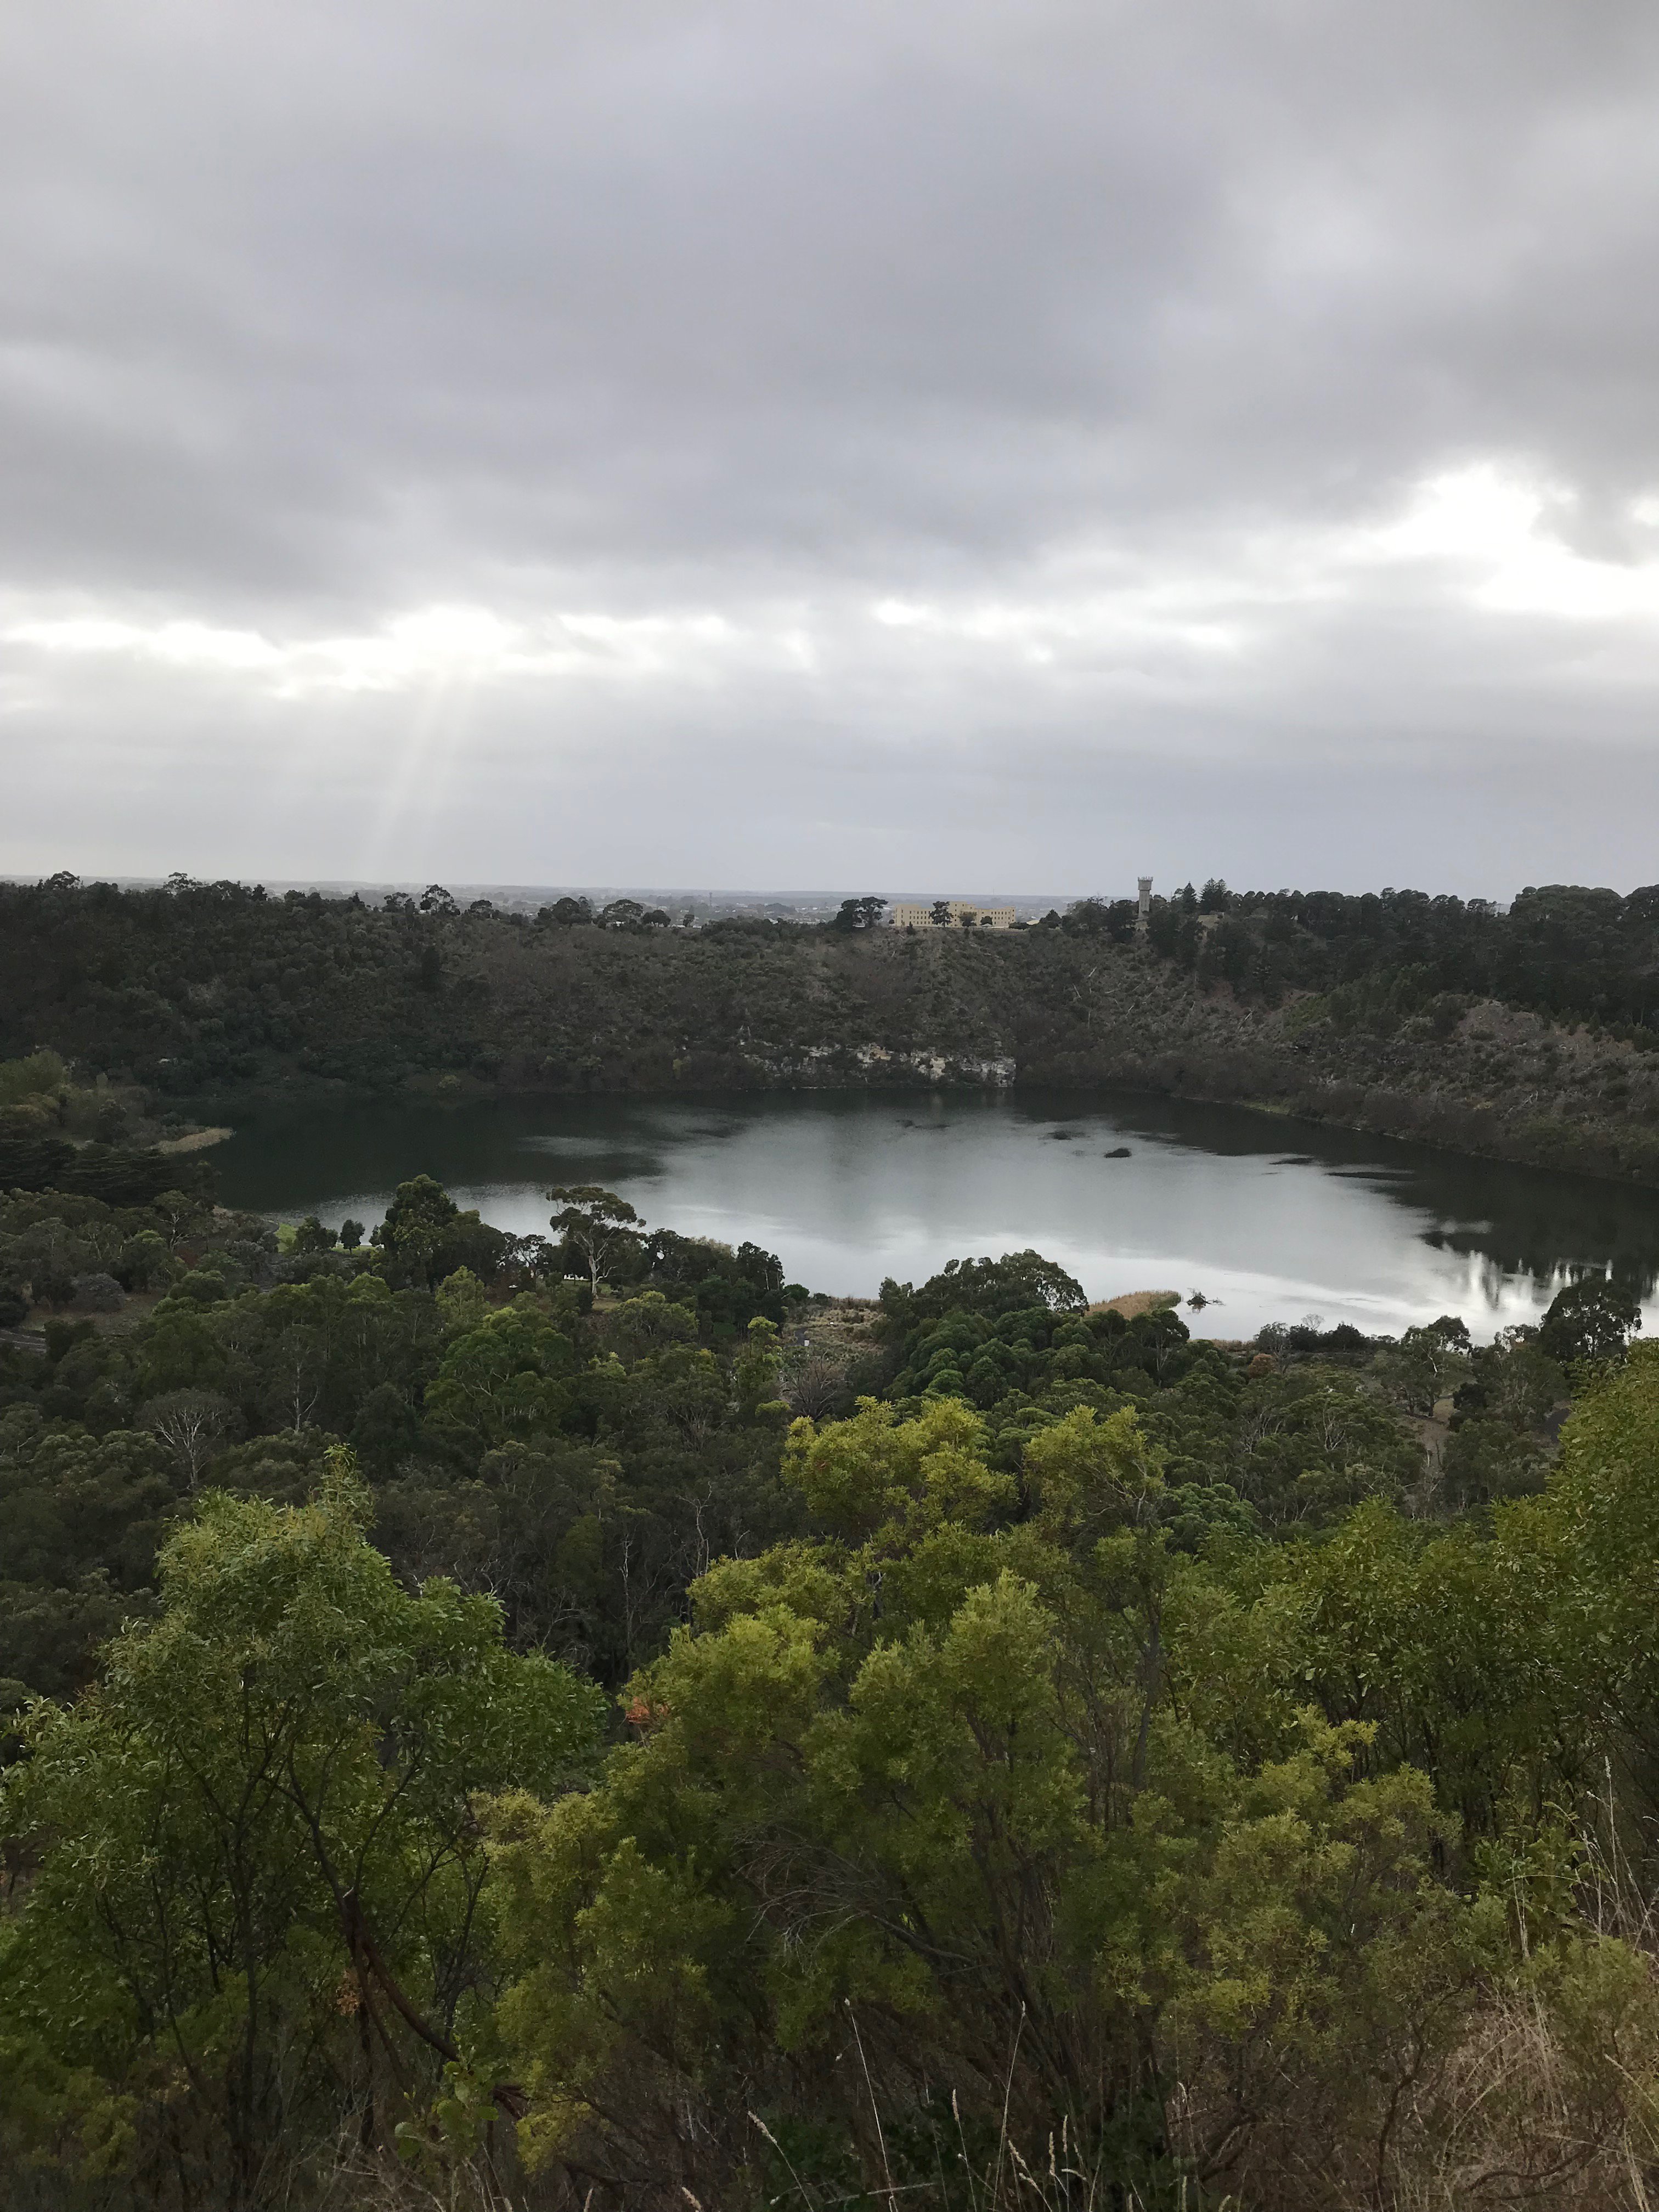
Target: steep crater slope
[{"x": 216, "y": 993}]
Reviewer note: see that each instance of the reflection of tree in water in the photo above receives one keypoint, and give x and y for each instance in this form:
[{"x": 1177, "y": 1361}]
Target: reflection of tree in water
[
  {"x": 1514, "y": 1224},
  {"x": 1526, "y": 1224},
  {"x": 1551, "y": 1246},
  {"x": 1489, "y": 1279},
  {"x": 1495, "y": 1279}
]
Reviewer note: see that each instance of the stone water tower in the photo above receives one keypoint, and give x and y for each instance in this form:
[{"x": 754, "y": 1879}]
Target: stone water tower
[{"x": 1144, "y": 906}]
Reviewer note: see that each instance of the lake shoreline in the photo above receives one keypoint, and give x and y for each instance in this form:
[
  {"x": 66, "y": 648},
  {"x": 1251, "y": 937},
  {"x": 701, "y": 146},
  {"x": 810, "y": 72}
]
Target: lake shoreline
[
  {"x": 269, "y": 1001},
  {"x": 1266, "y": 1217},
  {"x": 1395, "y": 1118}
]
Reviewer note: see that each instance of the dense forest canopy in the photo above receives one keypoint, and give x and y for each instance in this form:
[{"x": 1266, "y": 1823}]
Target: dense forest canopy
[
  {"x": 1561, "y": 948},
  {"x": 234, "y": 976},
  {"x": 579, "y": 1716}
]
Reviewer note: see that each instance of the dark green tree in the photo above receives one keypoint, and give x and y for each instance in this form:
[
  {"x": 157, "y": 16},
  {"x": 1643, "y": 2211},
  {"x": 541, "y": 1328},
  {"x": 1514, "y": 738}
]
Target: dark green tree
[
  {"x": 425, "y": 1236},
  {"x": 595, "y": 1224},
  {"x": 860, "y": 914},
  {"x": 1593, "y": 1319},
  {"x": 258, "y": 1910}
]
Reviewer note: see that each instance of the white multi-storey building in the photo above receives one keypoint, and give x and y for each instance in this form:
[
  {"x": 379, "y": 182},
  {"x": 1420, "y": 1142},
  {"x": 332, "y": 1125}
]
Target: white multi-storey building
[{"x": 956, "y": 914}]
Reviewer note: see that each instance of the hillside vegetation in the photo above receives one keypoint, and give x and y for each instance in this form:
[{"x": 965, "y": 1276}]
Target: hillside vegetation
[
  {"x": 480, "y": 1736},
  {"x": 1529, "y": 1035}
]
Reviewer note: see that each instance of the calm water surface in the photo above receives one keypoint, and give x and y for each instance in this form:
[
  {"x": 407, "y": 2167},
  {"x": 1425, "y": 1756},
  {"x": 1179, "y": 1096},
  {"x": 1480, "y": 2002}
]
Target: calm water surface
[{"x": 1271, "y": 1220}]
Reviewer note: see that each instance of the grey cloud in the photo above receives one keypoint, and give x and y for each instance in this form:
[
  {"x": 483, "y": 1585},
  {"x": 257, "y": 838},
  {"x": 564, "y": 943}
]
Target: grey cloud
[{"x": 311, "y": 317}]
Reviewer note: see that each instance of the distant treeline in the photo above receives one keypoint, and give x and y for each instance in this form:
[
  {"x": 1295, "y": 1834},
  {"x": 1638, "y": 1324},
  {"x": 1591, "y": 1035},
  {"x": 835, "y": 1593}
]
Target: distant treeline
[
  {"x": 1525, "y": 1035},
  {"x": 1560, "y": 948}
]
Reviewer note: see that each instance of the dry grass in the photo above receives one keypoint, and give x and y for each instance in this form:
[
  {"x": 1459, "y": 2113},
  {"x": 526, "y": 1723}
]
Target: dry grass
[
  {"x": 1530, "y": 2106},
  {"x": 1130, "y": 1304}
]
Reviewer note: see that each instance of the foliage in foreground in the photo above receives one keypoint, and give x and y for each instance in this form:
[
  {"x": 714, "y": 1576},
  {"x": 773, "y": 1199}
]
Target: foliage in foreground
[
  {"x": 260, "y": 1902},
  {"x": 987, "y": 1818},
  {"x": 1105, "y": 1769}
]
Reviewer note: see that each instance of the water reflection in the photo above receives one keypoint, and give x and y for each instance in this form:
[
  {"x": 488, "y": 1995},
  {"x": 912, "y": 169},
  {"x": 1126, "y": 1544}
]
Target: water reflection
[{"x": 1269, "y": 1219}]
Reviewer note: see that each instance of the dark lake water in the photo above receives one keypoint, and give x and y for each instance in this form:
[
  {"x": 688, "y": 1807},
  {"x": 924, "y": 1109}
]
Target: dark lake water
[{"x": 1271, "y": 1220}]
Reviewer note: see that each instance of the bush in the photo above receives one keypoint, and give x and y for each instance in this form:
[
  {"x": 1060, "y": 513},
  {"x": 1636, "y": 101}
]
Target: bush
[
  {"x": 41, "y": 1075},
  {"x": 97, "y": 1294}
]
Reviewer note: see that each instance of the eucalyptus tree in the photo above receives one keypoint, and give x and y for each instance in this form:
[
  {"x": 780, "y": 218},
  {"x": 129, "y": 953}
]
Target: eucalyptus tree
[{"x": 259, "y": 1904}]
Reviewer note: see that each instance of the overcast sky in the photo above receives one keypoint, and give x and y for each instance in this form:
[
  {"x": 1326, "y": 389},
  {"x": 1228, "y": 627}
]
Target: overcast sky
[{"x": 946, "y": 446}]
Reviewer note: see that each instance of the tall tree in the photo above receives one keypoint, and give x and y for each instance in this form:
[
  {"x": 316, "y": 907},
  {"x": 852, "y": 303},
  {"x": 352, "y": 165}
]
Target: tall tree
[
  {"x": 259, "y": 1881},
  {"x": 594, "y": 1223}
]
